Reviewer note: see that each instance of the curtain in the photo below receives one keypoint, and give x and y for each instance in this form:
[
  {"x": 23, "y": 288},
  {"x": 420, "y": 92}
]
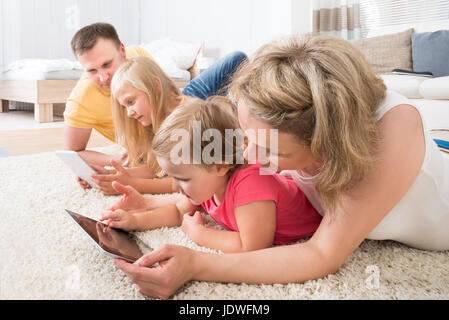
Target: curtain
[{"x": 337, "y": 17}]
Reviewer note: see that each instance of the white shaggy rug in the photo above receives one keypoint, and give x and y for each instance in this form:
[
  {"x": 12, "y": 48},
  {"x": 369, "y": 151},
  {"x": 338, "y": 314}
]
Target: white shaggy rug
[{"x": 43, "y": 255}]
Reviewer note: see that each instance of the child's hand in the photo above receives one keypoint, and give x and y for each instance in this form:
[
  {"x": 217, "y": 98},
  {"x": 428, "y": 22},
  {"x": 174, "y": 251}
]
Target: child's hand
[
  {"x": 104, "y": 181},
  {"x": 119, "y": 219},
  {"x": 131, "y": 201},
  {"x": 192, "y": 223}
]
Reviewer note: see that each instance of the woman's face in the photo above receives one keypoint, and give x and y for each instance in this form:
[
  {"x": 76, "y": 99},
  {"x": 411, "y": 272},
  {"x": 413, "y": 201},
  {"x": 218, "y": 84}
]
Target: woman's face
[
  {"x": 136, "y": 103},
  {"x": 281, "y": 149}
]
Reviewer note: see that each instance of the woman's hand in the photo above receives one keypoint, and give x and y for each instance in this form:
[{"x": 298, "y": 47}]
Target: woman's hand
[
  {"x": 109, "y": 238},
  {"x": 119, "y": 219},
  {"x": 175, "y": 267},
  {"x": 104, "y": 181},
  {"x": 131, "y": 201},
  {"x": 192, "y": 224}
]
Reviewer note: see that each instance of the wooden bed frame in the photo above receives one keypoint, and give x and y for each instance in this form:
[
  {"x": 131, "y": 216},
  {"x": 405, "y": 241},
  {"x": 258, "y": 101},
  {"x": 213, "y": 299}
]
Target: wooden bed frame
[{"x": 44, "y": 93}]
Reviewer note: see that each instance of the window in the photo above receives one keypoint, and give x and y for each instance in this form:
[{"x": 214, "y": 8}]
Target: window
[{"x": 381, "y": 13}]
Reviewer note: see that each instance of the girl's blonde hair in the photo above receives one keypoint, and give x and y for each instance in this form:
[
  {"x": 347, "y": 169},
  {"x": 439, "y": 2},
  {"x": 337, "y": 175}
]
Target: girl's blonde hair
[
  {"x": 323, "y": 91},
  {"x": 142, "y": 73},
  {"x": 217, "y": 113}
]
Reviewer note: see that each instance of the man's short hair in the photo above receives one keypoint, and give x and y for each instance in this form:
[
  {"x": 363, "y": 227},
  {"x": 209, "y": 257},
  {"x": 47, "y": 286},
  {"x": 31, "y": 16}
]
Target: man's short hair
[{"x": 86, "y": 37}]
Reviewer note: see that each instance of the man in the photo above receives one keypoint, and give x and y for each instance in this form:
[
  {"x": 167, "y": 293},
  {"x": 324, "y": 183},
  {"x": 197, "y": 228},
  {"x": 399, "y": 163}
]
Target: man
[{"x": 100, "y": 51}]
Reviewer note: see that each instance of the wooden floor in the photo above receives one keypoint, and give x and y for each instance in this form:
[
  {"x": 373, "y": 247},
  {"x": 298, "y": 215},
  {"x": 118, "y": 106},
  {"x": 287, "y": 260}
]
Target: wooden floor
[{"x": 20, "y": 142}]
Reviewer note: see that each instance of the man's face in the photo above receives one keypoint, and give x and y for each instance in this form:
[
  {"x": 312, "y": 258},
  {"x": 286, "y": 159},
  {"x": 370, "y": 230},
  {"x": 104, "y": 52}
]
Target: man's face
[{"x": 102, "y": 61}]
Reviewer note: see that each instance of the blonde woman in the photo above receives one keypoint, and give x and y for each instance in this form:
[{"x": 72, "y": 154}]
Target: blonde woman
[
  {"x": 361, "y": 154},
  {"x": 142, "y": 96}
]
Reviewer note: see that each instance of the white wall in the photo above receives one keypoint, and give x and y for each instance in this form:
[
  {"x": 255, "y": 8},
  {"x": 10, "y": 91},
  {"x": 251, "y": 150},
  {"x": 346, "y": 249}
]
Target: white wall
[
  {"x": 1, "y": 34},
  {"x": 44, "y": 28},
  {"x": 224, "y": 25}
]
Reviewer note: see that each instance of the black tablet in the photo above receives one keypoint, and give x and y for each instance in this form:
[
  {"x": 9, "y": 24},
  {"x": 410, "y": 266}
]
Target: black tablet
[{"x": 113, "y": 242}]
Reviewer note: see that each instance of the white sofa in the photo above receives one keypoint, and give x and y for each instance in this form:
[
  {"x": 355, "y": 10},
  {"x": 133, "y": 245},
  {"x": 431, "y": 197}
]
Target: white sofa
[{"x": 430, "y": 95}]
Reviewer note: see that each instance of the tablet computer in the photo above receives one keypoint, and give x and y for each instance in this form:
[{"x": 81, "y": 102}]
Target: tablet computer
[
  {"x": 80, "y": 167},
  {"x": 112, "y": 242}
]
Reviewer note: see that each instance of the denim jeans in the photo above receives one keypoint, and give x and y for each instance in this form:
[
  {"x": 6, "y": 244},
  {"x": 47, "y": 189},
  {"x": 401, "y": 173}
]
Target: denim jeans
[{"x": 213, "y": 80}]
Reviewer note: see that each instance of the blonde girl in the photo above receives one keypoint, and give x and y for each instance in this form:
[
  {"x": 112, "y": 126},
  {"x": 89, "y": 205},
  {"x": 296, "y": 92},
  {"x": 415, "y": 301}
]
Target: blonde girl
[
  {"x": 362, "y": 155},
  {"x": 256, "y": 210},
  {"x": 142, "y": 96}
]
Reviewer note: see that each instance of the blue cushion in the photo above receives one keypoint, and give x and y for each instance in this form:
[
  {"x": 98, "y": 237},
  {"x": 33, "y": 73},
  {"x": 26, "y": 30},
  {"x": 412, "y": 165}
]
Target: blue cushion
[
  {"x": 430, "y": 52},
  {"x": 4, "y": 153}
]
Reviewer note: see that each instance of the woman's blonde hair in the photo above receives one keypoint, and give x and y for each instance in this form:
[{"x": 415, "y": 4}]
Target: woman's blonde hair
[
  {"x": 143, "y": 74},
  {"x": 323, "y": 91},
  {"x": 217, "y": 113}
]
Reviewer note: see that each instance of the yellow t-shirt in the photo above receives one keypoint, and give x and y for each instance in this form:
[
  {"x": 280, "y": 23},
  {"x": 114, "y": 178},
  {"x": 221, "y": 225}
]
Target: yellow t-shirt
[{"x": 89, "y": 106}]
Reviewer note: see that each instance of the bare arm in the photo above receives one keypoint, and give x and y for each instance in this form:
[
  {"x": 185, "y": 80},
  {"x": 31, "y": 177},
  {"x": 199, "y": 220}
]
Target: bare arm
[
  {"x": 167, "y": 216},
  {"x": 154, "y": 186},
  {"x": 131, "y": 178},
  {"x": 151, "y": 186},
  {"x": 76, "y": 139},
  {"x": 256, "y": 223},
  {"x": 141, "y": 172}
]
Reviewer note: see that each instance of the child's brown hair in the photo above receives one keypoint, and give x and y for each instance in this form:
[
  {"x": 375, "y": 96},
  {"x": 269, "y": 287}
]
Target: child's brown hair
[{"x": 217, "y": 113}]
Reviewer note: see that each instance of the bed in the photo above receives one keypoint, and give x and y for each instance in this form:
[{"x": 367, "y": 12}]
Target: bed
[
  {"x": 44, "y": 82},
  {"x": 42, "y": 93}
]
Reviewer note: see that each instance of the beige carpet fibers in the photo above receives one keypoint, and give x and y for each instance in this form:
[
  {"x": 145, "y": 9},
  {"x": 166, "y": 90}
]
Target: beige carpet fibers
[{"x": 43, "y": 255}]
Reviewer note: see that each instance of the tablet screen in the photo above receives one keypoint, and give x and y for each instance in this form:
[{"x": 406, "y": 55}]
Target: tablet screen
[{"x": 116, "y": 242}]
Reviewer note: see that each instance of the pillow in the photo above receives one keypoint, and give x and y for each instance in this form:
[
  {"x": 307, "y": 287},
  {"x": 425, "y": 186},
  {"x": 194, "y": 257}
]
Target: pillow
[
  {"x": 44, "y": 65},
  {"x": 388, "y": 52},
  {"x": 183, "y": 54},
  {"x": 435, "y": 89},
  {"x": 407, "y": 85},
  {"x": 430, "y": 52}
]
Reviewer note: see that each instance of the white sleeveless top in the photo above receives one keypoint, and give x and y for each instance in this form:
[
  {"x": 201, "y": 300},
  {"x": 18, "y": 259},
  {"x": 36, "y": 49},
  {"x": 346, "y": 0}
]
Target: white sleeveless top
[{"x": 421, "y": 218}]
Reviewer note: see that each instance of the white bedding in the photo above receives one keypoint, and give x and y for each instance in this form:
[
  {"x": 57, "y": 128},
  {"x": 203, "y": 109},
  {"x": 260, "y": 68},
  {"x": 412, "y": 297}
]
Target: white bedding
[
  {"x": 42, "y": 69},
  {"x": 33, "y": 74},
  {"x": 174, "y": 57}
]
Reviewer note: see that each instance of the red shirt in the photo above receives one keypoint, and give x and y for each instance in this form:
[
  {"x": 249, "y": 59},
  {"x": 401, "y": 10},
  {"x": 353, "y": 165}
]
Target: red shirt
[{"x": 296, "y": 218}]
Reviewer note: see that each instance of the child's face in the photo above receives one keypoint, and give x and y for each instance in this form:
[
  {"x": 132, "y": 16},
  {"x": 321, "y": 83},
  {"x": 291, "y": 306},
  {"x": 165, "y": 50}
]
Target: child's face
[
  {"x": 194, "y": 181},
  {"x": 136, "y": 103}
]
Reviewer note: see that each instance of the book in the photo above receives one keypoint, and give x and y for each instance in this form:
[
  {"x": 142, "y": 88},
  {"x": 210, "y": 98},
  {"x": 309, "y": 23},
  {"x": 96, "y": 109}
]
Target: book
[{"x": 426, "y": 74}]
